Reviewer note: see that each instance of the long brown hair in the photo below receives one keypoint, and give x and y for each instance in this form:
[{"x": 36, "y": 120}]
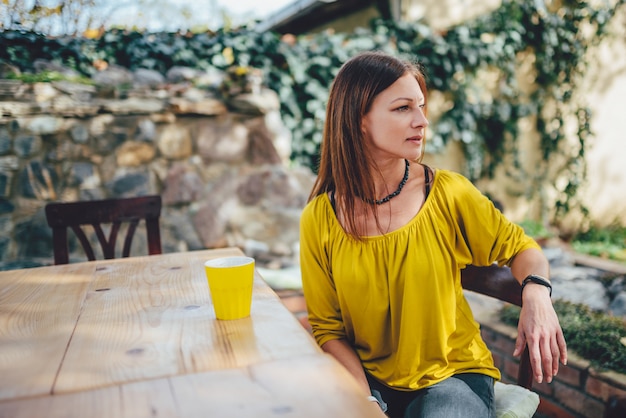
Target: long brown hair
[{"x": 345, "y": 158}]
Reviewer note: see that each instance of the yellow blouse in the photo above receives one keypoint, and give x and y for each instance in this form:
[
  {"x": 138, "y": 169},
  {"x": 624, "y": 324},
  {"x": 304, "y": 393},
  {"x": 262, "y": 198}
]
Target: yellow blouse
[{"x": 397, "y": 298}]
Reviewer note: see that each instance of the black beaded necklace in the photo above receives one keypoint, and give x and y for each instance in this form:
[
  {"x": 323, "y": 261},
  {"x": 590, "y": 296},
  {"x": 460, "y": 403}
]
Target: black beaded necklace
[{"x": 398, "y": 190}]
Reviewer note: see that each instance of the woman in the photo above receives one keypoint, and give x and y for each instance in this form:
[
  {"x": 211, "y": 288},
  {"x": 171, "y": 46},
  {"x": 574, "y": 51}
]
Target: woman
[{"x": 383, "y": 240}]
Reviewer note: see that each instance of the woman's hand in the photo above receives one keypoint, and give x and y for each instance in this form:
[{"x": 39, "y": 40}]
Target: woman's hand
[{"x": 539, "y": 328}]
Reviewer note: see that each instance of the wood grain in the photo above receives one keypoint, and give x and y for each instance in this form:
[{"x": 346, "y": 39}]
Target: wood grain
[
  {"x": 309, "y": 387},
  {"x": 34, "y": 332},
  {"x": 137, "y": 337}
]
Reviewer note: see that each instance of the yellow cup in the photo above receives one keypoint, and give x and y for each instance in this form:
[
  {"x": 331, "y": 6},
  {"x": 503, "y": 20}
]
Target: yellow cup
[{"x": 230, "y": 283}]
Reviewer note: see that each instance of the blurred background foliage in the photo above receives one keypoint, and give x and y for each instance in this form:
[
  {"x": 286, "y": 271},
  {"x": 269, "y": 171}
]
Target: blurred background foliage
[{"x": 300, "y": 69}]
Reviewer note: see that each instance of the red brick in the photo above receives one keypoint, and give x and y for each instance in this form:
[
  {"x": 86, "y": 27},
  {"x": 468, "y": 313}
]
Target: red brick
[
  {"x": 498, "y": 360},
  {"x": 545, "y": 389},
  {"x": 597, "y": 387},
  {"x": 571, "y": 375},
  {"x": 577, "y": 401},
  {"x": 511, "y": 366},
  {"x": 487, "y": 335},
  {"x": 549, "y": 409},
  {"x": 592, "y": 408},
  {"x": 502, "y": 343}
]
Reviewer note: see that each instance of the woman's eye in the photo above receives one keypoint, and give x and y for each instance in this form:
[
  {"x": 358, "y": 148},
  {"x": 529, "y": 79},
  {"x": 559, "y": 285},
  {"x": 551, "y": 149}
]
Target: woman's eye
[{"x": 403, "y": 108}]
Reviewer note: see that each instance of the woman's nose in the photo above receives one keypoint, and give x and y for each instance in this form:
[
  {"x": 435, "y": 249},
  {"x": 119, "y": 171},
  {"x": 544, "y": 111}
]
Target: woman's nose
[{"x": 420, "y": 119}]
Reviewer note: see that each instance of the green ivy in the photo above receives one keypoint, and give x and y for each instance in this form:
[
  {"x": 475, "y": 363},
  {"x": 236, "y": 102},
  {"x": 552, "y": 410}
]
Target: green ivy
[
  {"x": 47, "y": 77},
  {"x": 487, "y": 125},
  {"x": 595, "y": 336}
]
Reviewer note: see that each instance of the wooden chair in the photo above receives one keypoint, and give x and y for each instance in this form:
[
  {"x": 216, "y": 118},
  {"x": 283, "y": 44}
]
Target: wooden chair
[
  {"x": 74, "y": 215},
  {"x": 499, "y": 283},
  {"x": 510, "y": 400}
]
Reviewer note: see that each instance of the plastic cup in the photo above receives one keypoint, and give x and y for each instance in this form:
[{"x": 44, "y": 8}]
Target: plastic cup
[{"x": 230, "y": 283}]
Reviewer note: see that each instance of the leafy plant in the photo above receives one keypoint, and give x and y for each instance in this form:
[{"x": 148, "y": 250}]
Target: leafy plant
[
  {"x": 484, "y": 119},
  {"x": 47, "y": 77},
  {"x": 595, "y": 336},
  {"x": 607, "y": 242},
  {"x": 535, "y": 229}
]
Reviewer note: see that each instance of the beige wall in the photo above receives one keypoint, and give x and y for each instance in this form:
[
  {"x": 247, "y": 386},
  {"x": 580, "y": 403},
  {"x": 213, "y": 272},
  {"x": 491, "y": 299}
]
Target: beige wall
[
  {"x": 604, "y": 89},
  {"x": 441, "y": 14}
]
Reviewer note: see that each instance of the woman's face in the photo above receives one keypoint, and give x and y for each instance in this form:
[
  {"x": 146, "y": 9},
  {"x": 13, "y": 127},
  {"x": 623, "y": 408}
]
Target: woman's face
[{"x": 396, "y": 123}]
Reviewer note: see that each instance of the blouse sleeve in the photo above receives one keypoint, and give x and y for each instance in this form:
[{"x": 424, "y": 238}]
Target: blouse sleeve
[
  {"x": 489, "y": 237},
  {"x": 319, "y": 290}
]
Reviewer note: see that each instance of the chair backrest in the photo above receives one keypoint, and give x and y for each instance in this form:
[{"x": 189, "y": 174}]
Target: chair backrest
[
  {"x": 499, "y": 283},
  {"x": 74, "y": 215}
]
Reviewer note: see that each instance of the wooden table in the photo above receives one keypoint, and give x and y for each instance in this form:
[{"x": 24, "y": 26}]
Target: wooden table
[{"x": 137, "y": 337}]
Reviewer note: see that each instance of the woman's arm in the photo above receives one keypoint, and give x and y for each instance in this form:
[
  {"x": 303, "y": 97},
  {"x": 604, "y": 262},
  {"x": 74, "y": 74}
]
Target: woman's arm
[
  {"x": 346, "y": 355},
  {"x": 538, "y": 326},
  {"x": 341, "y": 350}
]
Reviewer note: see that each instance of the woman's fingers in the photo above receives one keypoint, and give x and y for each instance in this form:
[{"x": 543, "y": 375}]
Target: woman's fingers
[{"x": 520, "y": 342}]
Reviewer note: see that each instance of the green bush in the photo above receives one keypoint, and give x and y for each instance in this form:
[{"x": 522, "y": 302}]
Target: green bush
[
  {"x": 486, "y": 125},
  {"x": 595, "y": 336},
  {"x": 607, "y": 242},
  {"x": 47, "y": 77},
  {"x": 535, "y": 229}
]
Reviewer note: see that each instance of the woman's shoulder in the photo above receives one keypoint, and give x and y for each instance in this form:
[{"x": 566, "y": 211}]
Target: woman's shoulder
[
  {"x": 318, "y": 205},
  {"x": 448, "y": 177}
]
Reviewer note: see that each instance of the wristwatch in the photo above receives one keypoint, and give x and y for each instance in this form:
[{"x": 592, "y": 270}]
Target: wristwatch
[{"x": 533, "y": 278}]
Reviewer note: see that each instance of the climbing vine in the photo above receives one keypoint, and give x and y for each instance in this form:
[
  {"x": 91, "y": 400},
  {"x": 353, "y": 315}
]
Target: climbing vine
[{"x": 551, "y": 42}]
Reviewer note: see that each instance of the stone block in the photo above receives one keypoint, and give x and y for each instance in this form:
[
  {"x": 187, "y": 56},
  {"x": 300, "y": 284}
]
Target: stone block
[
  {"x": 182, "y": 185},
  {"x": 82, "y": 173},
  {"x": 26, "y": 145},
  {"x": 38, "y": 181},
  {"x": 175, "y": 143},
  {"x": 44, "y": 125},
  {"x": 79, "y": 133},
  {"x": 210, "y": 222},
  {"x": 5, "y": 242},
  {"x": 145, "y": 131},
  {"x": 5, "y": 141},
  {"x": 6, "y": 207},
  {"x": 225, "y": 140},
  {"x": 5, "y": 185},
  {"x": 134, "y": 154},
  {"x": 129, "y": 184},
  {"x": 133, "y": 105},
  {"x": 9, "y": 162},
  {"x": 34, "y": 237}
]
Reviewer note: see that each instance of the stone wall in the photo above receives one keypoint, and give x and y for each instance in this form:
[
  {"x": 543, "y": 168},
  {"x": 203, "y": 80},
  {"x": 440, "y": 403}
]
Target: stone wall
[{"x": 218, "y": 158}]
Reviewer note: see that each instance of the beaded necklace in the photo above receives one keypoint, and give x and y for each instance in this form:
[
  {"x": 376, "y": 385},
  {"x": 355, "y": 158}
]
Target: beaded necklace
[{"x": 398, "y": 190}]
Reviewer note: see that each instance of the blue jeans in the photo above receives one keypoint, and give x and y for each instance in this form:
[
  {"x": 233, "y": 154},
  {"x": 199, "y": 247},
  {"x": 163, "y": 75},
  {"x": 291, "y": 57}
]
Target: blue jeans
[{"x": 467, "y": 395}]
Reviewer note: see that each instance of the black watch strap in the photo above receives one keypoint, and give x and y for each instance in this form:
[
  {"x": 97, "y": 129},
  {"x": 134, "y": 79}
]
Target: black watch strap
[{"x": 533, "y": 278}]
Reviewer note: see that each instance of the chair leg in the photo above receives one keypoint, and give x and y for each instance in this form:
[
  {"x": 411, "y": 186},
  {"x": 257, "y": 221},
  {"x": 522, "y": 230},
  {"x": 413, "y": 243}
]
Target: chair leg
[{"x": 525, "y": 372}]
